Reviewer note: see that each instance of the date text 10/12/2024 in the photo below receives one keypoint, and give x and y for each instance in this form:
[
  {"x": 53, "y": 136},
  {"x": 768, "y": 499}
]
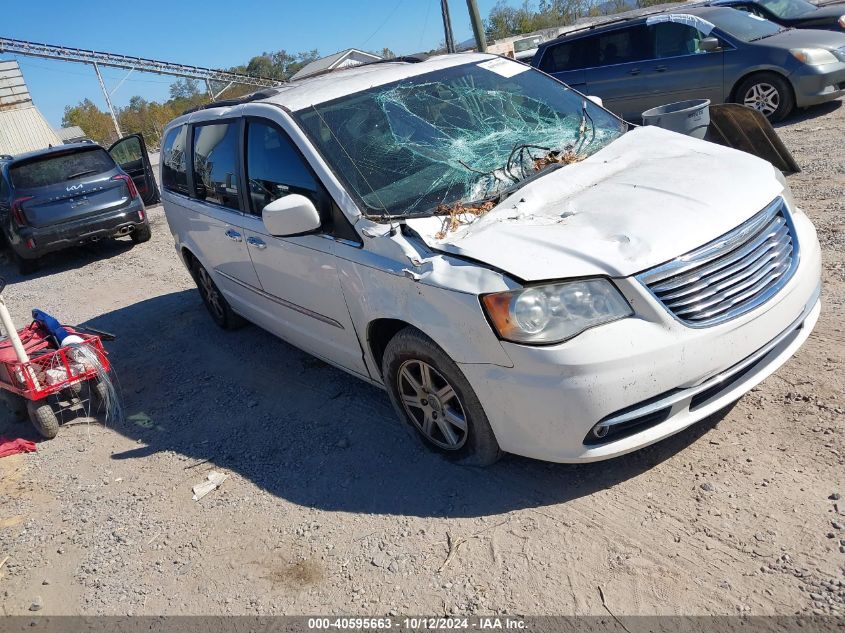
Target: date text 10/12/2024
[{"x": 416, "y": 623}]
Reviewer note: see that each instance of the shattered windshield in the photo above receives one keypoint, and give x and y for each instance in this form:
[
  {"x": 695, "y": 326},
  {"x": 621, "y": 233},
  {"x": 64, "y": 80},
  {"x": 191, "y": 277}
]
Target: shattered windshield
[{"x": 454, "y": 136}]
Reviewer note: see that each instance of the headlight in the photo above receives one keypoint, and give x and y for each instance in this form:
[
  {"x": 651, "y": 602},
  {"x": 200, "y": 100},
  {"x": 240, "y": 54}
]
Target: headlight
[
  {"x": 813, "y": 56},
  {"x": 554, "y": 312},
  {"x": 842, "y": 21}
]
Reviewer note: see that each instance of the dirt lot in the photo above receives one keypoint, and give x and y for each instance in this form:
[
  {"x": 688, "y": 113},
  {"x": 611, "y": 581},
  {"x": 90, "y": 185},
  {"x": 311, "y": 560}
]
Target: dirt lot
[{"x": 329, "y": 508}]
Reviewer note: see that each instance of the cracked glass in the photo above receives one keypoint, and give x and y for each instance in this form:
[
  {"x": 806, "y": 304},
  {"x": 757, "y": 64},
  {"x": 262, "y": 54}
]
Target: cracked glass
[{"x": 460, "y": 135}]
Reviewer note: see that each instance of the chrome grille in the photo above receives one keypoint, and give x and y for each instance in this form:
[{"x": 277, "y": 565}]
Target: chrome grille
[{"x": 730, "y": 275}]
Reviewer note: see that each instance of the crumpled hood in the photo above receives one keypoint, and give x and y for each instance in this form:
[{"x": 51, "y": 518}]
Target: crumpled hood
[{"x": 645, "y": 199}]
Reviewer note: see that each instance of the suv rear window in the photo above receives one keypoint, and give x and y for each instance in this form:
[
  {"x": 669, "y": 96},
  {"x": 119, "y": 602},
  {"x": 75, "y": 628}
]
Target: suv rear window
[{"x": 57, "y": 168}]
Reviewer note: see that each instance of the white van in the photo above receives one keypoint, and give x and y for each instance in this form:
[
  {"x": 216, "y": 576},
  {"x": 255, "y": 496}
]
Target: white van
[{"x": 519, "y": 269}]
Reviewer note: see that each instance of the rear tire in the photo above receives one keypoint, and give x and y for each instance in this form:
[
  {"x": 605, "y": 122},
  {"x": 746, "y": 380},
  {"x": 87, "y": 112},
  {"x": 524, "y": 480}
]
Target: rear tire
[
  {"x": 99, "y": 396},
  {"x": 219, "y": 309},
  {"x": 768, "y": 93},
  {"x": 141, "y": 234},
  {"x": 43, "y": 418},
  {"x": 440, "y": 405},
  {"x": 27, "y": 266}
]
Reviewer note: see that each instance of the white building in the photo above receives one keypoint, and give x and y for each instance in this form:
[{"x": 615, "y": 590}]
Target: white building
[{"x": 22, "y": 126}]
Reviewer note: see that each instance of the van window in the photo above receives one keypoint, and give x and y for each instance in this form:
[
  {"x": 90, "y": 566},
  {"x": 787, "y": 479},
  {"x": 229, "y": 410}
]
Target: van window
[
  {"x": 672, "y": 39},
  {"x": 174, "y": 169},
  {"x": 275, "y": 168},
  {"x": 568, "y": 56},
  {"x": 215, "y": 164},
  {"x": 623, "y": 46}
]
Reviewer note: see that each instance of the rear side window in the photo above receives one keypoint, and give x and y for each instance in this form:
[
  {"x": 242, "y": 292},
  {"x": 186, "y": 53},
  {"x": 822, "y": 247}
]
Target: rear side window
[
  {"x": 275, "y": 168},
  {"x": 57, "y": 168},
  {"x": 623, "y": 46},
  {"x": 174, "y": 168},
  {"x": 216, "y": 164},
  {"x": 568, "y": 56}
]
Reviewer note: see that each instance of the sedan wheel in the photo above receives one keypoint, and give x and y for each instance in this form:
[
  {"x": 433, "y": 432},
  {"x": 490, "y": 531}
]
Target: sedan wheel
[
  {"x": 432, "y": 404},
  {"x": 763, "y": 97}
]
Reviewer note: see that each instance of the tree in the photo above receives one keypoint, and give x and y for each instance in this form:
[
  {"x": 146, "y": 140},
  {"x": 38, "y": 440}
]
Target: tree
[
  {"x": 386, "y": 53},
  {"x": 184, "y": 88},
  {"x": 96, "y": 124}
]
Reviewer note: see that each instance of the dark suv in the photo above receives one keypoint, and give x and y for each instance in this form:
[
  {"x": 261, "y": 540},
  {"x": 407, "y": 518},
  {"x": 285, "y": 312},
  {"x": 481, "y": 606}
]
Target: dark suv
[
  {"x": 714, "y": 53},
  {"x": 71, "y": 194}
]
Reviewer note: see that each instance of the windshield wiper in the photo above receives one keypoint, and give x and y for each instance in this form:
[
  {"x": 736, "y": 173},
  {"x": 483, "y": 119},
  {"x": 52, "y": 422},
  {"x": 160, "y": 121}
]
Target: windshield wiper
[{"x": 82, "y": 173}]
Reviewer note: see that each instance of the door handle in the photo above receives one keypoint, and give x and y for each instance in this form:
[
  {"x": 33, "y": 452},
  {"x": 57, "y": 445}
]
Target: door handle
[
  {"x": 661, "y": 69},
  {"x": 234, "y": 236},
  {"x": 634, "y": 71},
  {"x": 257, "y": 243}
]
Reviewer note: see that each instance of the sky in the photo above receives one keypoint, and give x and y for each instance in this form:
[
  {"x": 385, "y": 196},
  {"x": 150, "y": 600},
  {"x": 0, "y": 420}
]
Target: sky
[{"x": 210, "y": 33}]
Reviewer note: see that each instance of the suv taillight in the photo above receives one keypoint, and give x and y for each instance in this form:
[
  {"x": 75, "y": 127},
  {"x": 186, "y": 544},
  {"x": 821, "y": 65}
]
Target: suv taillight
[
  {"x": 17, "y": 211},
  {"x": 130, "y": 184}
]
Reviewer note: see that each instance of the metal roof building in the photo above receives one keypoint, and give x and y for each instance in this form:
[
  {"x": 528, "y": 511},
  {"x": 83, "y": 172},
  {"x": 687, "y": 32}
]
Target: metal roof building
[
  {"x": 343, "y": 59},
  {"x": 22, "y": 127},
  {"x": 70, "y": 134}
]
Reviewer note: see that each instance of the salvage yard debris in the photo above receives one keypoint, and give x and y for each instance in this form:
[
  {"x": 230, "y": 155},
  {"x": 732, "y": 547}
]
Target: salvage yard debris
[
  {"x": 458, "y": 214},
  {"x": 214, "y": 481},
  {"x": 13, "y": 447}
]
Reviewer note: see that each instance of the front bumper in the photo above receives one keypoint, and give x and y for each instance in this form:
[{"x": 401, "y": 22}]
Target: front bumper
[
  {"x": 818, "y": 84},
  {"x": 60, "y": 236},
  {"x": 546, "y": 405}
]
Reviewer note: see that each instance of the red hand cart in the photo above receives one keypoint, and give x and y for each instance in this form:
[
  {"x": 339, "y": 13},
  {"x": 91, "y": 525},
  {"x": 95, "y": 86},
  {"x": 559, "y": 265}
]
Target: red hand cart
[{"x": 50, "y": 386}]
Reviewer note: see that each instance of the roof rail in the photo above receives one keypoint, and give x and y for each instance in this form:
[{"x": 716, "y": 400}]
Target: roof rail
[
  {"x": 252, "y": 96},
  {"x": 635, "y": 14}
]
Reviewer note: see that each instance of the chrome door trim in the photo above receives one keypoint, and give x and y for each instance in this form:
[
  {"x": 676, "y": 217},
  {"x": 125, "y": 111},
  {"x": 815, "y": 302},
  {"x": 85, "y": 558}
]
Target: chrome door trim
[{"x": 282, "y": 302}]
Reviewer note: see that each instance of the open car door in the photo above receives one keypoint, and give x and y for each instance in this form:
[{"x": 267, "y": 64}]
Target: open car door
[{"x": 130, "y": 152}]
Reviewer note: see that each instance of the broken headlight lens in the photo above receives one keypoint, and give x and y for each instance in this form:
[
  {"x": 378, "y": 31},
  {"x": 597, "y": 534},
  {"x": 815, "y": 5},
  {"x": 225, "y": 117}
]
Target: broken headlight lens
[{"x": 553, "y": 313}]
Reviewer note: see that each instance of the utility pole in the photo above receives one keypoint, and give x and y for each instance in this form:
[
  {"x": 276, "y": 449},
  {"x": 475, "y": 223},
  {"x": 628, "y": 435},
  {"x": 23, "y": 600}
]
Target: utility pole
[
  {"x": 447, "y": 26},
  {"x": 477, "y": 26},
  {"x": 108, "y": 100}
]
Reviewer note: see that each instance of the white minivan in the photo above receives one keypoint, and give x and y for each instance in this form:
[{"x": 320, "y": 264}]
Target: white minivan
[{"x": 520, "y": 270}]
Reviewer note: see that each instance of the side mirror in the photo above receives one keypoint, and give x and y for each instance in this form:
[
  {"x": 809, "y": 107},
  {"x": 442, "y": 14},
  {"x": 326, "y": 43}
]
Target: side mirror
[
  {"x": 596, "y": 100},
  {"x": 290, "y": 215},
  {"x": 710, "y": 44}
]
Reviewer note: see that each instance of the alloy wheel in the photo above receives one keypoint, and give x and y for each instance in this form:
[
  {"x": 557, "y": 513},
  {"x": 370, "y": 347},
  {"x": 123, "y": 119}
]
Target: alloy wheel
[
  {"x": 212, "y": 295},
  {"x": 763, "y": 97},
  {"x": 432, "y": 404}
]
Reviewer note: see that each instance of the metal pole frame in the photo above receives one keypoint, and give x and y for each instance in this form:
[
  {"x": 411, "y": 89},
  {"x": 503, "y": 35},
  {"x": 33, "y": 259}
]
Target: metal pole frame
[{"x": 108, "y": 100}]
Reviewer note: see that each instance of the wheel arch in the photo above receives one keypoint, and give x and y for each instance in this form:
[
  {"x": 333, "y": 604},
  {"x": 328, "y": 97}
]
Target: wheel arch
[
  {"x": 758, "y": 71},
  {"x": 379, "y": 333}
]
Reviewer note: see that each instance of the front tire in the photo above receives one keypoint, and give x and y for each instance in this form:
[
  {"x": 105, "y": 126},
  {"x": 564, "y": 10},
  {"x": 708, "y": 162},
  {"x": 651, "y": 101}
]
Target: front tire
[
  {"x": 768, "y": 93},
  {"x": 430, "y": 393},
  {"x": 214, "y": 301},
  {"x": 43, "y": 418}
]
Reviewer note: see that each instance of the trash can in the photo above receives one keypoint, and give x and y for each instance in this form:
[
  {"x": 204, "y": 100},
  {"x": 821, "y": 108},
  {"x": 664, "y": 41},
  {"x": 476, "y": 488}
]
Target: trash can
[{"x": 685, "y": 117}]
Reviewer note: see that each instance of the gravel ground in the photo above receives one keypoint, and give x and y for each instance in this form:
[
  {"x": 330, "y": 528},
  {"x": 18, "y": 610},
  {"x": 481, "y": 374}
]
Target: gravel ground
[{"x": 329, "y": 508}]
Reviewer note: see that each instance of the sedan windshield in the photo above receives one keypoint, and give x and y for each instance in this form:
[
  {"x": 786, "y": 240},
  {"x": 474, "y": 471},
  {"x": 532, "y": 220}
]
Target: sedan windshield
[
  {"x": 788, "y": 8},
  {"x": 743, "y": 26},
  {"x": 458, "y": 135}
]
